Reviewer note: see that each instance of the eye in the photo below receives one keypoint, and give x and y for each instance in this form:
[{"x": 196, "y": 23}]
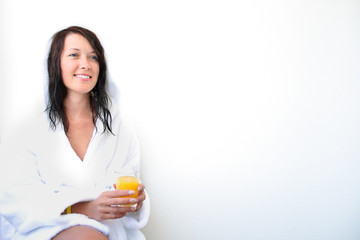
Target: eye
[
  {"x": 94, "y": 58},
  {"x": 73, "y": 55}
]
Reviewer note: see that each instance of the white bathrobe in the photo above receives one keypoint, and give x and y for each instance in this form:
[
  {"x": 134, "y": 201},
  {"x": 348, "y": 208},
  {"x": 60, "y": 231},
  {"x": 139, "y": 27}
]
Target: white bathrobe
[{"x": 42, "y": 175}]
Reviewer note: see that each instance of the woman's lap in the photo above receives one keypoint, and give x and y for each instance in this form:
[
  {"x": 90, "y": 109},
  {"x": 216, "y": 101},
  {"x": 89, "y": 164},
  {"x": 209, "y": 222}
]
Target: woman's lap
[{"x": 80, "y": 233}]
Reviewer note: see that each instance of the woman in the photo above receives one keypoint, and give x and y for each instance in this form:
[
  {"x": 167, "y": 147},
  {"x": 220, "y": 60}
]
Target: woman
[{"x": 66, "y": 189}]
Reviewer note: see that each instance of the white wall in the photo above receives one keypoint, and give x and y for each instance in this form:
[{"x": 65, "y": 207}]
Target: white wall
[{"x": 248, "y": 112}]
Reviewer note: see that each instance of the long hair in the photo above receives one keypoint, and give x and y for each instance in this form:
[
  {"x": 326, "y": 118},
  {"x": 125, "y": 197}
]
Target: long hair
[{"x": 99, "y": 99}]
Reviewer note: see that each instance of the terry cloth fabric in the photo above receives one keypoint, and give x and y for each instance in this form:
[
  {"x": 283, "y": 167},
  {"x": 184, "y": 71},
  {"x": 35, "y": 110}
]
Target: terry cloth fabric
[{"x": 42, "y": 176}]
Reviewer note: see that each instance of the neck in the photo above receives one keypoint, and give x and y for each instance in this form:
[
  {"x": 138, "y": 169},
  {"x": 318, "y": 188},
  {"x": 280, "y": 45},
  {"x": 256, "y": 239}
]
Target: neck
[{"x": 77, "y": 106}]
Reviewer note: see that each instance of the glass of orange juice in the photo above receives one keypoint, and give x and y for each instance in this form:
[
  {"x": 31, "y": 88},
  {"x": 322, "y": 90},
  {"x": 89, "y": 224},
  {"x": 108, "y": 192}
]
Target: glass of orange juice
[{"x": 128, "y": 181}]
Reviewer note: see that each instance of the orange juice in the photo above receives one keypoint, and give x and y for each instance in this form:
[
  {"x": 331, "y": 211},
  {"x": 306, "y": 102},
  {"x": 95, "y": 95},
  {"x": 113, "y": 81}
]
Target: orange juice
[{"x": 128, "y": 183}]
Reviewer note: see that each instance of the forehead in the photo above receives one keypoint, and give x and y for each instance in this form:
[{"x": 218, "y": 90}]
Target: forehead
[{"x": 77, "y": 41}]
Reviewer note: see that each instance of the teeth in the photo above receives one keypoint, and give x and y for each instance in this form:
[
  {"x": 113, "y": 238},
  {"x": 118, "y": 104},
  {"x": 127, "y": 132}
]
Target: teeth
[{"x": 82, "y": 76}]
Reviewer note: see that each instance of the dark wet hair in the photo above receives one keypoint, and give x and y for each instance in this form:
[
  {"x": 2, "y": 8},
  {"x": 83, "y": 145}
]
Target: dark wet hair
[{"x": 99, "y": 99}]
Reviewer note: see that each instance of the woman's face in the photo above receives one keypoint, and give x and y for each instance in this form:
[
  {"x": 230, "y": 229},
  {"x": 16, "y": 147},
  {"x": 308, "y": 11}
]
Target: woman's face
[{"x": 79, "y": 65}]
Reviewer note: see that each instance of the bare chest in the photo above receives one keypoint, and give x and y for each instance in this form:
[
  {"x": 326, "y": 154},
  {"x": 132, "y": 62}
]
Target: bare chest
[{"x": 79, "y": 135}]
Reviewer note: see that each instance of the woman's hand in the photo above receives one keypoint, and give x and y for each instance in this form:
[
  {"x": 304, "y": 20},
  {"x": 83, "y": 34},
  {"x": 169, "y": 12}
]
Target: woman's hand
[
  {"x": 141, "y": 196},
  {"x": 107, "y": 205}
]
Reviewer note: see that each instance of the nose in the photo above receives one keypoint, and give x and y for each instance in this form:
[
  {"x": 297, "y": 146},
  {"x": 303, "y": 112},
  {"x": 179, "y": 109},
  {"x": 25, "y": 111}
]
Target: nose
[{"x": 85, "y": 64}]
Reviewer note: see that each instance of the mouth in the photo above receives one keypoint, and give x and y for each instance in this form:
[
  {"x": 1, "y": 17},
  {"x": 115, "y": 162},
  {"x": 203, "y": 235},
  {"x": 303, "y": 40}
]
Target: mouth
[{"x": 82, "y": 76}]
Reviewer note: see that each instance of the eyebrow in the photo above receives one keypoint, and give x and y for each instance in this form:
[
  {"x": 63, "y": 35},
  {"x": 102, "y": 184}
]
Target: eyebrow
[{"x": 76, "y": 49}]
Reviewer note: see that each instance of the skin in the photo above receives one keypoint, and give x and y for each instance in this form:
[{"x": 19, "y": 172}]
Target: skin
[
  {"x": 106, "y": 205},
  {"x": 80, "y": 233},
  {"x": 78, "y": 58}
]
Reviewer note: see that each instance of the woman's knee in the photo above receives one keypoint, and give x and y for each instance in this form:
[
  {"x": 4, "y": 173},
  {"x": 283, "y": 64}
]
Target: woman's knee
[{"x": 80, "y": 233}]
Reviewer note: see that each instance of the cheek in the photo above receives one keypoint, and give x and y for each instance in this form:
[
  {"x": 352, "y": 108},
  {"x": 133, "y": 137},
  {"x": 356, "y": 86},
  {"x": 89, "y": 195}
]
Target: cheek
[
  {"x": 96, "y": 71},
  {"x": 66, "y": 66},
  {"x": 66, "y": 73}
]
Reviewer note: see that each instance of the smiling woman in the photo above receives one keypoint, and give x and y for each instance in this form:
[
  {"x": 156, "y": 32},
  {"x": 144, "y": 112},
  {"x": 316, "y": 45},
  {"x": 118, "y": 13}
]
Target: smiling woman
[
  {"x": 79, "y": 65},
  {"x": 76, "y": 163},
  {"x": 75, "y": 54},
  {"x": 80, "y": 71}
]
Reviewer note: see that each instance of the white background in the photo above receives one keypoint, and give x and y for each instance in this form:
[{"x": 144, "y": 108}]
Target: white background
[{"x": 248, "y": 112}]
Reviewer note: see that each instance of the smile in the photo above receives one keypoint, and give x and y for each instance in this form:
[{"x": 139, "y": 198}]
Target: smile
[{"x": 83, "y": 76}]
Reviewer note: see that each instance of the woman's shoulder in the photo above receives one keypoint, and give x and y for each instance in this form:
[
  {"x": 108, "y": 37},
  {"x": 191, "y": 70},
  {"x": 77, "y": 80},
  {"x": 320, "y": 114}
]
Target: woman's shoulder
[
  {"x": 121, "y": 120},
  {"x": 27, "y": 135}
]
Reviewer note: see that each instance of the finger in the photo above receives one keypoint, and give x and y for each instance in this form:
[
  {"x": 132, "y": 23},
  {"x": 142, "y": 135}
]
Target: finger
[
  {"x": 138, "y": 206},
  {"x": 119, "y": 209},
  {"x": 118, "y": 193},
  {"x": 113, "y": 215},
  {"x": 141, "y": 197},
  {"x": 120, "y": 201},
  {"x": 141, "y": 187}
]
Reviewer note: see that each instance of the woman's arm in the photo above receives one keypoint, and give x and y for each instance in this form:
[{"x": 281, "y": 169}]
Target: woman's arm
[{"x": 106, "y": 206}]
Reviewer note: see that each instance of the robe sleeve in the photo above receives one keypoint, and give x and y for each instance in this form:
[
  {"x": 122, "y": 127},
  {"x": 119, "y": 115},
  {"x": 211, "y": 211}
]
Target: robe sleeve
[
  {"x": 139, "y": 219},
  {"x": 130, "y": 162},
  {"x": 26, "y": 201}
]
